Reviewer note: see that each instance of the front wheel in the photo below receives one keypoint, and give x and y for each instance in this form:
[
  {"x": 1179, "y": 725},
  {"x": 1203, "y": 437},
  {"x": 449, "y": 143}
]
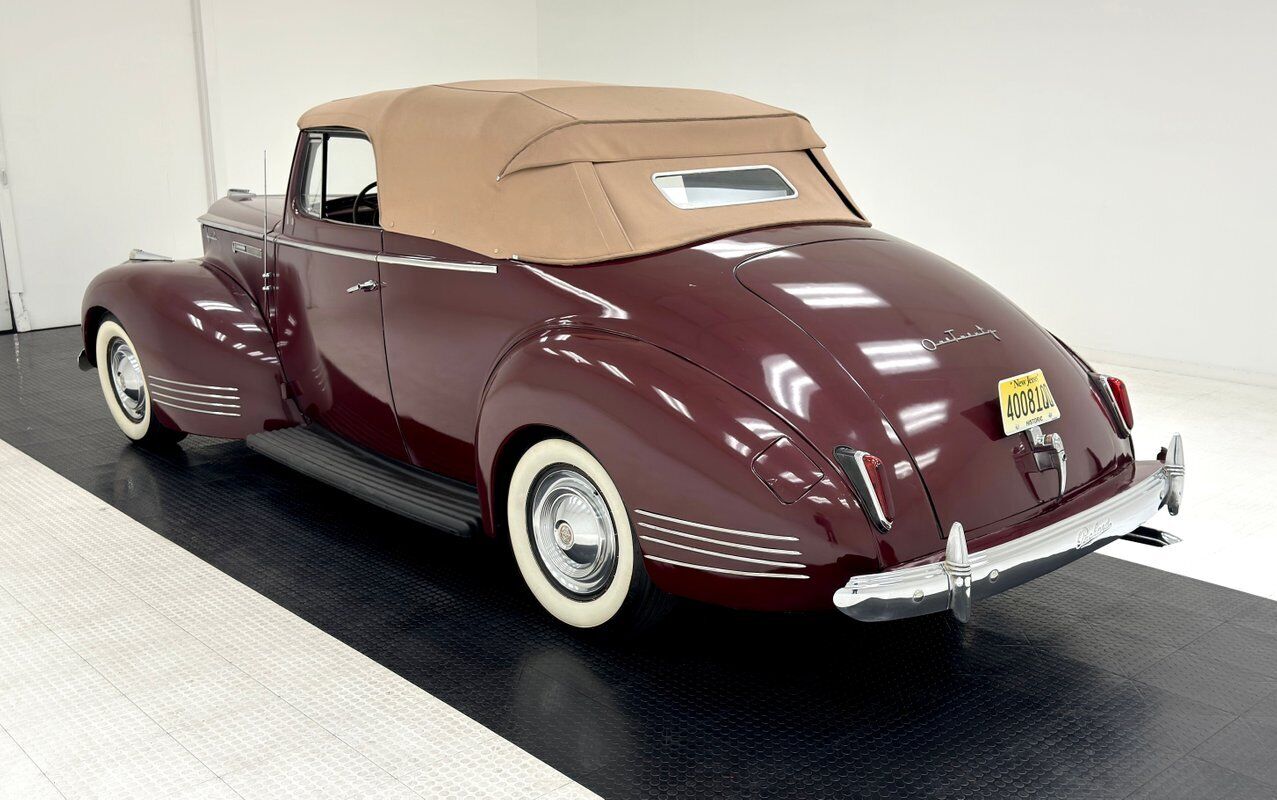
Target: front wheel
[
  {"x": 572, "y": 541},
  {"x": 124, "y": 386}
]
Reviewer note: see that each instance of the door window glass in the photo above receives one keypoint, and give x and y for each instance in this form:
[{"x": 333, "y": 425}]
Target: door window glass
[{"x": 340, "y": 181}]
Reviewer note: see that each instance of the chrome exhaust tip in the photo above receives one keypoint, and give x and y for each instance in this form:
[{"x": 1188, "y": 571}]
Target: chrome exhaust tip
[{"x": 1152, "y": 537}]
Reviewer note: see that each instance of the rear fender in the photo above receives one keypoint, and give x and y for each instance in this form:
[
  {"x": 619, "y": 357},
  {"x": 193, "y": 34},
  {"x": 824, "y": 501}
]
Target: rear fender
[
  {"x": 680, "y": 443},
  {"x": 201, "y": 339}
]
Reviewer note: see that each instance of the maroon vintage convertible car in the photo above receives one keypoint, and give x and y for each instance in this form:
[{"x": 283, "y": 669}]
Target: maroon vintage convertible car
[{"x": 644, "y": 334}]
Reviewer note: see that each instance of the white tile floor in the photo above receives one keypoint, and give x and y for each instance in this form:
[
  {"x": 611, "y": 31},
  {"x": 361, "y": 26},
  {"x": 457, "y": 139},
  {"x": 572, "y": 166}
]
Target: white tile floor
[
  {"x": 1229, "y": 518},
  {"x": 130, "y": 668}
]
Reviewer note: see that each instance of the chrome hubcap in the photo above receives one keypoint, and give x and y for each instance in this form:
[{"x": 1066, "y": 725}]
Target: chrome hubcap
[
  {"x": 126, "y": 379},
  {"x": 572, "y": 531}
]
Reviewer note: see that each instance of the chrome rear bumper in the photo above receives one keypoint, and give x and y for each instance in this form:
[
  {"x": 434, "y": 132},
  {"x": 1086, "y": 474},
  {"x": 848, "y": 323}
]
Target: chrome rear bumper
[{"x": 959, "y": 578}]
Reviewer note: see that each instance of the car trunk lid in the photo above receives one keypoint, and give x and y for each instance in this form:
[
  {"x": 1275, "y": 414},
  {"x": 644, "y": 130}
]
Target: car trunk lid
[{"x": 928, "y": 343}]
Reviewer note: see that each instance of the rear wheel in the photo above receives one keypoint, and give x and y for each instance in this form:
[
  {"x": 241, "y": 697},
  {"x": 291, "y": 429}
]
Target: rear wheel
[
  {"x": 124, "y": 386},
  {"x": 571, "y": 538}
]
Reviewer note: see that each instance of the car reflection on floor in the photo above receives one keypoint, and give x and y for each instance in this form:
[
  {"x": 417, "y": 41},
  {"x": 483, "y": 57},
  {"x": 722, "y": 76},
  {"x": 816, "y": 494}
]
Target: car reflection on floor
[{"x": 1043, "y": 692}]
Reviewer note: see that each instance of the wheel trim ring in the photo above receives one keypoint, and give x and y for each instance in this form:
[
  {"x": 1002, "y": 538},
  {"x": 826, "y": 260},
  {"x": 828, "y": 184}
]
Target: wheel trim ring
[
  {"x": 585, "y": 568},
  {"x": 125, "y": 372}
]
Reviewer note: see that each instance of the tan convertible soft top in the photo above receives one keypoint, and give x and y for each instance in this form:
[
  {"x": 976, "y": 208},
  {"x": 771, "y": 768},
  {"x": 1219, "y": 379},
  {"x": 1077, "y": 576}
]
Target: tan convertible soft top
[{"x": 560, "y": 172}]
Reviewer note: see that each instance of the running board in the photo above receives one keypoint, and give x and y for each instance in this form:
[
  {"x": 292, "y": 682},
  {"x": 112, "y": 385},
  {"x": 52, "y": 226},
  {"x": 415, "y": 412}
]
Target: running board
[{"x": 444, "y": 504}]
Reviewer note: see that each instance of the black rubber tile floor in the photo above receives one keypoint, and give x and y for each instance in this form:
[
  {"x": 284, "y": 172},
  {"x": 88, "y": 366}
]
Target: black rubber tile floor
[{"x": 1103, "y": 680}]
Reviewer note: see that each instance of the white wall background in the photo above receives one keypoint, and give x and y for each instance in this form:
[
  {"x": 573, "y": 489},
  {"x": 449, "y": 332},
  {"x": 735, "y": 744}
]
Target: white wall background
[
  {"x": 1106, "y": 164},
  {"x": 101, "y": 143},
  {"x": 100, "y": 111},
  {"x": 270, "y": 61}
]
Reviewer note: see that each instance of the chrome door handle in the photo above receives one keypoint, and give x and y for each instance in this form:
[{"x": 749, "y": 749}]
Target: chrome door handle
[{"x": 365, "y": 286}]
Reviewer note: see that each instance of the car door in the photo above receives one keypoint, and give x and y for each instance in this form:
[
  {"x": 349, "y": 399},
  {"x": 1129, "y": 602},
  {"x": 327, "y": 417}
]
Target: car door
[{"x": 327, "y": 308}]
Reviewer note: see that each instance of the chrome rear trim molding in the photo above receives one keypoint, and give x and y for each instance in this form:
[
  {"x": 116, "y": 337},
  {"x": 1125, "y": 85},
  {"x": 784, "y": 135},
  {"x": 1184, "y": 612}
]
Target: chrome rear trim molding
[
  {"x": 728, "y": 556},
  {"x": 172, "y": 390},
  {"x": 157, "y": 394},
  {"x": 169, "y": 404},
  {"x": 192, "y": 385},
  {"x": 752, "y": 547},
  {"x": 722, "y": 571},
  {"x": 703, "y": 526}
]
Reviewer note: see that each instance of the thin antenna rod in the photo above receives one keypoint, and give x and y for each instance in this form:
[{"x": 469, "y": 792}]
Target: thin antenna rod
[{"x": 265, "y": 227}]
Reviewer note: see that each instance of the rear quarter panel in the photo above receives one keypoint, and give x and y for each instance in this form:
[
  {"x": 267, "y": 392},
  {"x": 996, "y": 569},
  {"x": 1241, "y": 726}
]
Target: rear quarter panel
[{"x": 678, "y": 442}]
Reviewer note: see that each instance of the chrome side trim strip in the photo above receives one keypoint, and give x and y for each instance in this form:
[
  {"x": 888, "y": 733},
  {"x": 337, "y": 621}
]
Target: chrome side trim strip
[
  {"x": 332, "y": 251},
  {"x": 192, "y": 385},
  {"x": 158, "y": 394},
  {"x": 724, "y": 543},
  {"x": 407, "y": 261},
  {"x": 172, "y": 390},
  {"x": 430, "y": 263},
  {"x": 728, "y": 556},
  {"x": 715, "y": 527},
  {"x": 168, "y": 404},
  {"x": 212, "y": 222},
  {"x": 722, "y": 571}
]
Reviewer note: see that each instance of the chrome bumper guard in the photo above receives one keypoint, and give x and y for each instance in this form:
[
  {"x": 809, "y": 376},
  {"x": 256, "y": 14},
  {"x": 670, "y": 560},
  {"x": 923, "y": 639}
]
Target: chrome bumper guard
[{"x": 954, "y": 582}]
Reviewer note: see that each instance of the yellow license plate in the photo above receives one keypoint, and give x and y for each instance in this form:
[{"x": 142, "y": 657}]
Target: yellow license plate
[{"x": 1026, "y": 401}]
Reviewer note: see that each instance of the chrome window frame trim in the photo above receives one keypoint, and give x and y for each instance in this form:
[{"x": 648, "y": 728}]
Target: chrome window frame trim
[{"x": 779, "y": 174}]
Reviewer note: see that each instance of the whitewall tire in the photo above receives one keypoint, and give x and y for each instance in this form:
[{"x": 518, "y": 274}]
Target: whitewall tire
[
  {"x": 571, "y": 538},
  {"x": 124, "y": 385}
]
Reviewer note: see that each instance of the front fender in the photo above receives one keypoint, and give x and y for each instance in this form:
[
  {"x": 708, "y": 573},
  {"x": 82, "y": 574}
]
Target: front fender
[
  {"x": 198, "y": 333},
  {"x": 679, "y": 443}
]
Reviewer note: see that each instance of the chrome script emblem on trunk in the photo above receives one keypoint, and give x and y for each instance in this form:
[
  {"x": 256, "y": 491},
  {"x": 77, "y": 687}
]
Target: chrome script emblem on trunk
[{"x": 949, "y": 337}]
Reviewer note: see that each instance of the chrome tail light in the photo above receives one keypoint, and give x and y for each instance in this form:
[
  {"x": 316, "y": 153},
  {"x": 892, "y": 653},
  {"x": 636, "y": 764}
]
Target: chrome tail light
[
  {"x": 868, "y": 478},
  {"x": 1116, "y": 399}
]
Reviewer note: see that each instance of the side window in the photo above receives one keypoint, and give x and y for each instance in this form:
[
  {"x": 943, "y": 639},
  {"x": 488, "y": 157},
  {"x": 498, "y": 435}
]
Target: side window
[{"x": 340, "y": 180}]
